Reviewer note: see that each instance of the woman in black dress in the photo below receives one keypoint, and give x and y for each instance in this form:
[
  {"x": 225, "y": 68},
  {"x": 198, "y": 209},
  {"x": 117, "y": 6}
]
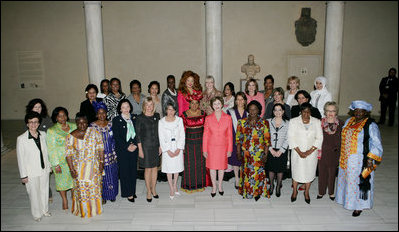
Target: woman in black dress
[
  {"x": 149, "y": 148},
  {"x": 86, "y": 107},
  {"x": 126, "y": 148}
]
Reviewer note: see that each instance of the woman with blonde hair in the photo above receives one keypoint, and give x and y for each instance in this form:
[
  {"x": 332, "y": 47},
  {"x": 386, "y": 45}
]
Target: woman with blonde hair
[
  {"x": 293, "y": 83},
  {"x": 148, "y": 143},
  {"x": 209, "y": 93}
]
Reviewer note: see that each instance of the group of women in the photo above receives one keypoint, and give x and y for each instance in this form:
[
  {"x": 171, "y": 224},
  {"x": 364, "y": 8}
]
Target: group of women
[{"x": 199, "y": 134}]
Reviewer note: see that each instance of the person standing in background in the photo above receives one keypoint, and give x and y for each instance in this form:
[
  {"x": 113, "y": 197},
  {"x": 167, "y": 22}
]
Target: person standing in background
[
  {"x": 170, "y": 94},
  {"x": 388, "y": 96}
]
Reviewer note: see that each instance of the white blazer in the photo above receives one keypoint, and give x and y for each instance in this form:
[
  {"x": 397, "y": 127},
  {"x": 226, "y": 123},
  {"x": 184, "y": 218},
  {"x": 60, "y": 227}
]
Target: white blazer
[{"x": 28, "y": 155}]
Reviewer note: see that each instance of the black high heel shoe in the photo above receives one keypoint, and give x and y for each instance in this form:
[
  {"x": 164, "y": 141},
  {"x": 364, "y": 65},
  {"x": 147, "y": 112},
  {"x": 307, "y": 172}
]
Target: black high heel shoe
[
  {"x": 221, "y": 193},
  {"x": 131, "y": 199},
  {"x": 319, "y": 196},
  {"x": 293, "y": 198},
  {"x": 213, "y": 194},
  {"x": 134, "y": 196},
  {"x": 332, "y": 198},
  {"x": 148, "y": 200},
  {"x": 306, "y": 200},
  {"x": 271, "y": 190},
  {"x": 156, "y": 196},
  {"x": 278, "y": 191},
  {"x": 257, "y": 198}
]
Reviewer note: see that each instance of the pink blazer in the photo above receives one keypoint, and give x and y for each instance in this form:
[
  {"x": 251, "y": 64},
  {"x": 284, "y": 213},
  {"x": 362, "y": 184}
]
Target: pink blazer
[{"x": 217, "y": 140}]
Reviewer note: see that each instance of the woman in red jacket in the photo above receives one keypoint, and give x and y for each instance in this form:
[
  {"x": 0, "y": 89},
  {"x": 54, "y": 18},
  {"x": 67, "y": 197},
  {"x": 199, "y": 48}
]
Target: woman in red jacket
[{"x": 217, "y": 142}]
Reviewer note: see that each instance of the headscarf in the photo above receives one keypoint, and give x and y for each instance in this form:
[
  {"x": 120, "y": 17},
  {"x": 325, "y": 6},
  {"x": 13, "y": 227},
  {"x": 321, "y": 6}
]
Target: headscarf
[
  {"x": 358, "y": 104},
  {"x": 323, "y": 80},
  {"x": 99, "y": 105}
]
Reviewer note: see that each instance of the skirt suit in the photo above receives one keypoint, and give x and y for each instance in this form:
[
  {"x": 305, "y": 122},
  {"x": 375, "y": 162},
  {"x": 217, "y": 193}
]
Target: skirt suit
[
  {"x": 218, "y": 140},
  {"x": 172, "y": 137},
  {"x": 147, "y": 135},
  {"x": 304, "y": 136}
]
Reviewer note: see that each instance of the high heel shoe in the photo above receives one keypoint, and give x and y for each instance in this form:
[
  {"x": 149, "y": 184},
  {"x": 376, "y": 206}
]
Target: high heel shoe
[
  {"x": 278, "y": 191},
  {"x": 332, "y": 198},
  {"x": 221, "y": 193},
  {"x": 148, "y": 200},
  {"x": 156, "y": 196},
  {"x": 257, "y": 198},
  {"x": 213, "y": 194},
  {"x": 293, "y": 198},
  {"x": 319, "y": 196},
  {"x": 131, "y": 199},
  {"x": 171, "y": 197},
  {"x": 271, "y": 190},
  {"x": 134, "y": 196},
  {"x": 236, "y": 186},
  {"x": 306, "y": 200}
]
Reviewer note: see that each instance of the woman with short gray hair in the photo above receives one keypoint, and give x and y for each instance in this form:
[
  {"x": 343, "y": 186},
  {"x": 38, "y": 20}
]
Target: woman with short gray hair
[{"x": 330, "y": 149}]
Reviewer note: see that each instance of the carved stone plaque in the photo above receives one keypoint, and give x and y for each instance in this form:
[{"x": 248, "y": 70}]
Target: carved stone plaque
[{"x": 305, "y": 28}]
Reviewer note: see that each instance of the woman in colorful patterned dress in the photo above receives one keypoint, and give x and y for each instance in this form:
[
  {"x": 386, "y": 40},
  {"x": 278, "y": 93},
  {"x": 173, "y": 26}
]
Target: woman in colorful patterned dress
[
  {"x": 237, "y": 113},
  {"x": 56, "y": 136},
  {"x": 252, "y": 140},
  {"x": 361, "y": 148},
  {"x": 110, "y": 179},
  {"x": 85, "y": 157}
]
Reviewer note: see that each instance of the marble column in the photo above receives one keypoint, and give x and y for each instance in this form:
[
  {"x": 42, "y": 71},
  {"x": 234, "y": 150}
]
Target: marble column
[
  {"x": 213, "y": 21},
  {"x": 333, "y": 46},
  {"x": 94, "y": 41}
]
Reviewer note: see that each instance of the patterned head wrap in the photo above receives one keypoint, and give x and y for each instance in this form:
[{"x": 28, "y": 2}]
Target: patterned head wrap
[
  {"x": 361, "y": 105},
  {"x": 99, "y": 105}
]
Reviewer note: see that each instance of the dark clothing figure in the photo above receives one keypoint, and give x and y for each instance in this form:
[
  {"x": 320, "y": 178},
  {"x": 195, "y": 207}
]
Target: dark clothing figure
[
  {"x": 388, "y": 96},
  {"x": 127, "y": 161},
  {"x": 87, "y": 109},
  {"x": 269, "y": 111},
  {"x": 147, "y": 135},
  {"x": 314, "y": 112}
]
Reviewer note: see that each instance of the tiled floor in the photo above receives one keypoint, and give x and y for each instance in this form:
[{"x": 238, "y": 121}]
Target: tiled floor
[{"x": 199, "y": 211}]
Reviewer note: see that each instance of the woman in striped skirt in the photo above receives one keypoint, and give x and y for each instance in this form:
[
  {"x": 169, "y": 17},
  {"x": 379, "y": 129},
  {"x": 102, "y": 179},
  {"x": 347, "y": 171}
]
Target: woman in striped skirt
[
  {"x": 110, "y": 179},
  {"x": 194, "y": 174}
]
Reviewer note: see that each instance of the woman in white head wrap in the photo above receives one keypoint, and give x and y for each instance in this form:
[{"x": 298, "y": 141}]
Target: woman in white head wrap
[{"x": 321, "y": 95}]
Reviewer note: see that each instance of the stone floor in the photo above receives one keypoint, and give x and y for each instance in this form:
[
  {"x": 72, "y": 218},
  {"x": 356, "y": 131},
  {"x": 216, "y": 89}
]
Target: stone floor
[{"x": 199, "y": 211}]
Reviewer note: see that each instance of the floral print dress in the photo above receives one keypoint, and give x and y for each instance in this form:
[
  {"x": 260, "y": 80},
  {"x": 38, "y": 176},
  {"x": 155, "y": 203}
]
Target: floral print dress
[{"x": 253, "y": 140}]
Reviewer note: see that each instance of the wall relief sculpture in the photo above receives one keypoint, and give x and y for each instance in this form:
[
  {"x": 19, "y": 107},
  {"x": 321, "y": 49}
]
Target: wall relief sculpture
[{"x": 305, "y": 28}]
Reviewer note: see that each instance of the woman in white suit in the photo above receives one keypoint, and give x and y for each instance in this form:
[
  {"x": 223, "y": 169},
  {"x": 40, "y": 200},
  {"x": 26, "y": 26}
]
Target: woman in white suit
[
  {"x": 34, "y": 166},
  {"x": 305, "y": 138},
  {"x": 172, "y": 139}
]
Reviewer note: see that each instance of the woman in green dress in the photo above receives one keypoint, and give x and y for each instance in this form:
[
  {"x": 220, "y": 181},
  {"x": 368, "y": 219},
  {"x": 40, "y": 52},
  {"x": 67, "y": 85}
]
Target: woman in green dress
[{"x": 56, "y": 136}]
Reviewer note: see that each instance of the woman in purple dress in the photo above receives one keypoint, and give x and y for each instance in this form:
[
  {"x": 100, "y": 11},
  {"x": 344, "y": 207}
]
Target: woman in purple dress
[
  {"x": 110, "y": 175},
  {"x": 237, "y": 112}
]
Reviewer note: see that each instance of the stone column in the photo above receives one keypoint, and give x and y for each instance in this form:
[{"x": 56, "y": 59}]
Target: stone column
[
  {"x": 333, "y": 46},
  {"x": 213, "y": 21},
  {"x": 94, "y": 41}
]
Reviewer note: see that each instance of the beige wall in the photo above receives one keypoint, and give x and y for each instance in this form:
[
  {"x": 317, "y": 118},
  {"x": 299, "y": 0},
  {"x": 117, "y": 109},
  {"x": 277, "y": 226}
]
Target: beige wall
[
  {"x": 370, "y": 48},
  {"x": 149, "y": 40}
]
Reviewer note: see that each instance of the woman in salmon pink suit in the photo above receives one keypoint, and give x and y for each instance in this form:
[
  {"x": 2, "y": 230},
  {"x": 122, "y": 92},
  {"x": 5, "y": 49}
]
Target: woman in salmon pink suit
[{"x": 217, "y": 142}]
